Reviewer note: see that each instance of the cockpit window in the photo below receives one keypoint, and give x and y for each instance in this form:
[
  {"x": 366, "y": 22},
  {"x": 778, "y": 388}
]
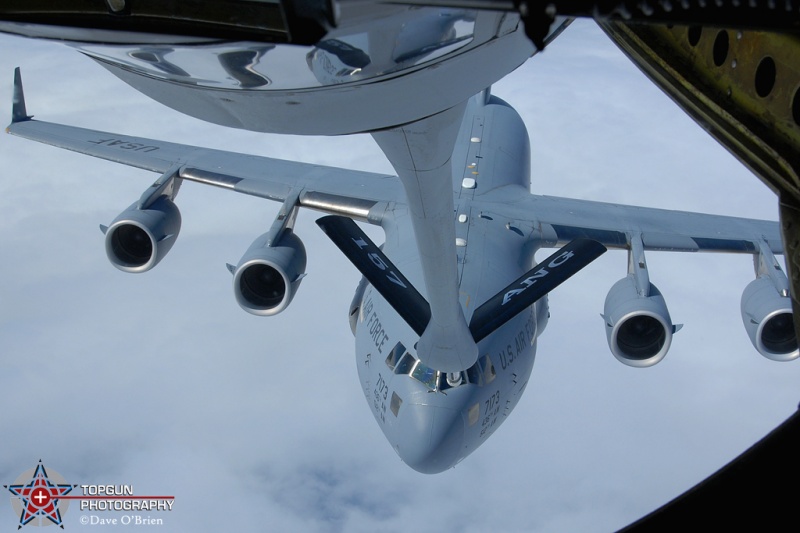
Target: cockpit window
[
  {"x": 474, "y": 374},
  {"x": 488, "y": 369},
  {"x": 452, "y": 380},
  {"x": 395, "y": 355},
  {"x": 425, "y": 374},
  {"x": 405, "y": 365},
  {"x": 482, "y": 372},
  {"x": 402, "y": 362}
]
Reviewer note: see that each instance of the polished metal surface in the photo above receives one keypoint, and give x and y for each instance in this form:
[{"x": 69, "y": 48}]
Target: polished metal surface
[
  {"x": 346, "y": 56},
  {"x": 375, "y": 70},
  {"x": 355, "y": 208}
]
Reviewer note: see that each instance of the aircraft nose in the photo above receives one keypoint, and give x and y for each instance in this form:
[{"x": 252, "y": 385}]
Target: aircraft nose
[{"x": 430, "y": 438}]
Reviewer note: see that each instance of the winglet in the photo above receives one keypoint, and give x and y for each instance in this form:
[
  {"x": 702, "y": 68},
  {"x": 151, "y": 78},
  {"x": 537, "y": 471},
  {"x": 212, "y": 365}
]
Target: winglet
[{"x": 18, "y": 111}]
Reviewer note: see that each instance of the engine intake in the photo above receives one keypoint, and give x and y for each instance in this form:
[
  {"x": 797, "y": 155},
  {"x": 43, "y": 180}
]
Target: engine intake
[
  {"x": 138, "y": 239},
  {"x": 638, "y": 328},
  {"x": 768, "y": 319},
  {"x": 267, "y": 277}
]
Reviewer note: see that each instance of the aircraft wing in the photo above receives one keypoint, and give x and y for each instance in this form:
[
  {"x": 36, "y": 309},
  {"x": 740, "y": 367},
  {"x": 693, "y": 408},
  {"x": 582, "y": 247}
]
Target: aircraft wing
[
  {"x": 354, "y": 193},
  {"x": 562, "y": 219},
  {"x": 333, "y": 190},
  {"x": 330, "y": 189}
]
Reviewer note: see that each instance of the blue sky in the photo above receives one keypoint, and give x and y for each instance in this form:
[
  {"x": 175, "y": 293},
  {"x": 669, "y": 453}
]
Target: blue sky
[{"x": 159, "y": 380}]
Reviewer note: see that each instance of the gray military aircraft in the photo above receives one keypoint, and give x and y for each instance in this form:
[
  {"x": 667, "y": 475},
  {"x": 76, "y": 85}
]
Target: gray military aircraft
[{"x": 443, "y": 366}]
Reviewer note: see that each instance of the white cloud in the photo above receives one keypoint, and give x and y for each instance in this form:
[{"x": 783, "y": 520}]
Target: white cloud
[{"x": 161, "y": 381}]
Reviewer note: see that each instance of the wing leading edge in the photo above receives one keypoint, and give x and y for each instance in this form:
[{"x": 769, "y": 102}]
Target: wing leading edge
[
  {"x": 560, "y": 220},
  {"x": 639, "y": 328},
  {"x": 357, "y": 194},
  {"x": 330, "y": 189}
]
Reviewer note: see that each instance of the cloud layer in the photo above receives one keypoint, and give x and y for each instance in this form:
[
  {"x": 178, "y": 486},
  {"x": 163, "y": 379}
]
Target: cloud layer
[{"x": 159, "y": 380}]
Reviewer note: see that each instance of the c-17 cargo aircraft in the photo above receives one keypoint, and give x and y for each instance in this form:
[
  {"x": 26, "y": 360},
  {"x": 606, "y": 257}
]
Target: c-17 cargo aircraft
[{"x": 437, "y": 402}]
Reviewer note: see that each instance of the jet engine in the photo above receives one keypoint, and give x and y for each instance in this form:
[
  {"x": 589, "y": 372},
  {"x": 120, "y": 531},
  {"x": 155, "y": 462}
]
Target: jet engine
[
  {"x": 139, "y": 238},
  {"x": 639, "y": 328},
  {"x": 267, "y": 276},
  {"x": 767, "y": 317}
]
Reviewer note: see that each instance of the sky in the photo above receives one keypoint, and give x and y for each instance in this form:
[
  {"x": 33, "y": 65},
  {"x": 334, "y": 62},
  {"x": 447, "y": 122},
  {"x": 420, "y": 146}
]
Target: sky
[{"x": 161, "y": 381}]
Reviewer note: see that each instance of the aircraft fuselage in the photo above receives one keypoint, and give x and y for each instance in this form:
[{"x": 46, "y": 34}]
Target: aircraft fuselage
[{"x": 434, "y": 419}]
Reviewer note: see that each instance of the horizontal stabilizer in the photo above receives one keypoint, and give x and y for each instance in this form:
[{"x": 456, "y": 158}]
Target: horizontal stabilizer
[
  {"x": 379, "y": 271},
  {"x": 532, "y": 285}
]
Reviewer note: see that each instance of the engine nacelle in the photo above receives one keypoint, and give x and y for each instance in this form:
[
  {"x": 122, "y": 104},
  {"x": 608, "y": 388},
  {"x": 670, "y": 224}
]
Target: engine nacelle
[
  {"x": 139, "y": 238},
  {"x": 639, "y": 329},
  {"x": 267, "y": 277},
  {"x": 768, "y": 319}
]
